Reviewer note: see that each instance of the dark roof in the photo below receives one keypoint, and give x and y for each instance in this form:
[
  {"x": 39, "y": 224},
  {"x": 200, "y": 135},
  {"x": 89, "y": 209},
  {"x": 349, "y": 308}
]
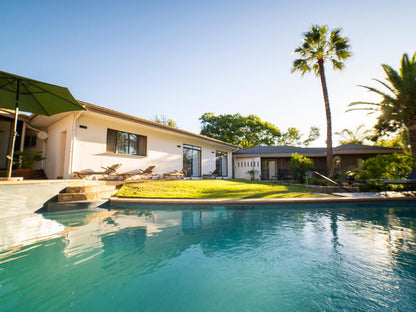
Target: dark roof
[
  {"x": 272, "y": 150},
  {"x": 366, "y": 148},
  {"x": 315, "y": 151}
]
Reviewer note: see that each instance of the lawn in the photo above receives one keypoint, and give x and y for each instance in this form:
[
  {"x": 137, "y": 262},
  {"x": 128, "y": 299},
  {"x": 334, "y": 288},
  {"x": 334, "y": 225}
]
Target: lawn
[{"x": 203, "y": 189}]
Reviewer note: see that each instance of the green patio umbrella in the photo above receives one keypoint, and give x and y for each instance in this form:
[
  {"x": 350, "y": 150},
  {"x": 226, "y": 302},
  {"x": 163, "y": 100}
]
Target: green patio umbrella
[{"x": 32, "y": 96}]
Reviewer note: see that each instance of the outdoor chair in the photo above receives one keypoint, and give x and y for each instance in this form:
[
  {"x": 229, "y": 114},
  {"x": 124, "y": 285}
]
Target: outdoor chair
[
  {"x": 138, "y": 174},
  {"x": 175, "y": 175},
  {"x": 212, "y": 175},
  {"x": 85, "y": 174},
  {"x": 409, "y": 183}
]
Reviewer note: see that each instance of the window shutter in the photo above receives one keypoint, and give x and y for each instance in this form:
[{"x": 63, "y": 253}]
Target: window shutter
[
  {"x": 111, "y": 140},
  {"x": 142, "y": 145}
]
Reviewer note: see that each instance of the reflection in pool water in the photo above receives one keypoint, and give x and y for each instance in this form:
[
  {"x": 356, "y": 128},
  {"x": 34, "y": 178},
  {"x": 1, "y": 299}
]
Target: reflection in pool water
[{"x": 212, "y": 260}]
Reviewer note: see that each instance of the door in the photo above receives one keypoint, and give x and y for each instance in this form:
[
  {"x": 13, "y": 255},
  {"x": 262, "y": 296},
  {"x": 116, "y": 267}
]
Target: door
[
  {"x": 192, "y": 160},
  {"x": 221, "y": 163},
  {"x": 268, "y": 169}
]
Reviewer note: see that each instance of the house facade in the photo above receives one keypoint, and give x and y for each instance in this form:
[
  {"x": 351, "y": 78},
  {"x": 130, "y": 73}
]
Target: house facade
[
  {"x": 97, "y": 137},
  {"x": 273, "y": 162}
]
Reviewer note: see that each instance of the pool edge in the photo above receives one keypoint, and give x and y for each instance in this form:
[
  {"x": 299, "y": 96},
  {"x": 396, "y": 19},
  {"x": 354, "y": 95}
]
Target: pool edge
[{"x": 252, "y": 201}]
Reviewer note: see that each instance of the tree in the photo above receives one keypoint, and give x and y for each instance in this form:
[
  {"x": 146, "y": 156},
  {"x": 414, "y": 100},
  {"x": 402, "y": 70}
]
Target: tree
[
  {"x": 293, "y": 137},
  {"x": 317, "y": 47},
  {"x": 358, "y": 136},
  {"x": 397, "y": 107},
  {"x": 239, "y": 130},
  {"x": 300, "y": 165},
  {"x": 162, "y": 119},
  {"x": 399, "y": 139},
  {"x": 246, "y": 131},
  {"x": 314, "y": 133}
]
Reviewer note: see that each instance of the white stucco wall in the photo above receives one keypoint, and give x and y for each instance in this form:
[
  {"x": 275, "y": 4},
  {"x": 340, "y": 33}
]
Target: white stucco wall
[
  {"x": 242, "y": 165},
  {"x": 88, "y": 146},
  {"x": 56, "y": 165}
]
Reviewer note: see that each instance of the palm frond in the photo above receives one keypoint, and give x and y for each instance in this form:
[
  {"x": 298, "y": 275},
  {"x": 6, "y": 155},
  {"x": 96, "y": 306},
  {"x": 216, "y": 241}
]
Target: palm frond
[
  {"x": 392, "y": 90},
  {"x": 320, "y": 44},
  {"x": 372, "y": 89},
  {"x": 394, "y": 78},
  {"x": 337, "y": 65},
  {"x": 364, "y": 103}
]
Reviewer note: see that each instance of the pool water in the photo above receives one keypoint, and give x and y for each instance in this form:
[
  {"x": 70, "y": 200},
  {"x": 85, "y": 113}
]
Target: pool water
[{"x": 358, "y": 258}]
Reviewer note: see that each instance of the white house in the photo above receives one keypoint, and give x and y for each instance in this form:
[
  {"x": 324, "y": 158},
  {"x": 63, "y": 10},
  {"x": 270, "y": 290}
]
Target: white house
[{"x": 102, "y": 137}]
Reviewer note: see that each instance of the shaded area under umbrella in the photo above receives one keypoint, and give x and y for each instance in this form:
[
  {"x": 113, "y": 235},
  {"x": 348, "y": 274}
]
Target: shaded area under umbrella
[{"x": 32, "y": 96}]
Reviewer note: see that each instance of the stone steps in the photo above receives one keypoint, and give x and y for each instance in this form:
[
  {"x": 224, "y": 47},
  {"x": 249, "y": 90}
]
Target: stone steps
[{"x": 87, "y": 192}]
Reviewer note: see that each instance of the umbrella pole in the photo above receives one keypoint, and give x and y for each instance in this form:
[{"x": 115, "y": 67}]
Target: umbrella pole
[{"x": 16, "y": 114}]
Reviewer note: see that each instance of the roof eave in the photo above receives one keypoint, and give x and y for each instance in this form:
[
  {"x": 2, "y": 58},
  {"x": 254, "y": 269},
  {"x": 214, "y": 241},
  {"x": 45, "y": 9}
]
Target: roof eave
[{"x": 113, "y": 113}]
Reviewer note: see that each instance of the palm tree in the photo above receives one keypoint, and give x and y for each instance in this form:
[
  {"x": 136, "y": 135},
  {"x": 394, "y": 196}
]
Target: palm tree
[
  {"x": 317, "y": 47},
  {"x": 397, "y": 107},
  {"x": 357, "y": 136}
]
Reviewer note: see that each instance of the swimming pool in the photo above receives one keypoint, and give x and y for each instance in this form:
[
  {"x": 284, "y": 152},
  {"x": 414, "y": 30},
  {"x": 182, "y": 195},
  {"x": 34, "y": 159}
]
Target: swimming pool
[{"x": 359, "y": 257}]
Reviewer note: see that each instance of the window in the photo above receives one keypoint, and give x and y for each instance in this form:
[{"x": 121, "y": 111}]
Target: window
[
  {"x": 221, "y": 161},
  {"x": 126, "y": 143},
  {"x": 192, "y": 160},
  {"x": 30, "y": 140}
]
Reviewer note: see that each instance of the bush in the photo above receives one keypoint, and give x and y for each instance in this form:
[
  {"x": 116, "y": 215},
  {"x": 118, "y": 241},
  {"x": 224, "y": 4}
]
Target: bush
[
  {"x": 393, "y": 166},
  {"x": 300, "y": 165},
  {"x": 317, "y": 181}
]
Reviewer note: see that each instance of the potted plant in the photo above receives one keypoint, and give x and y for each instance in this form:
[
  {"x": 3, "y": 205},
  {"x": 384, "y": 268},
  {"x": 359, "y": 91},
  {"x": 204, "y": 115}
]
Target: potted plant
[
  {"x": 252, "y": 173},
  {"x": 25, "y": 161}
]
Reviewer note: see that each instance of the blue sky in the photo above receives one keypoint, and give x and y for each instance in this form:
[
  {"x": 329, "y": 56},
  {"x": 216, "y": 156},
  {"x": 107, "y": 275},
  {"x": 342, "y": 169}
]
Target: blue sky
[{"x": 185, "y": 58}]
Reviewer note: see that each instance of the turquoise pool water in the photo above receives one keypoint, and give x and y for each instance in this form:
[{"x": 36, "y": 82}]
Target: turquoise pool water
[{"x": 358, "y": 258}]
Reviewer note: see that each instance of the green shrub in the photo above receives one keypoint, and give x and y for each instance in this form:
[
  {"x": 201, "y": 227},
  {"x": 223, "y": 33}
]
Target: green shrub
[
  {"x": 392, "y": 166},
  {"x": 317, "y": 181},
  {"x": 300, "y": 165}
]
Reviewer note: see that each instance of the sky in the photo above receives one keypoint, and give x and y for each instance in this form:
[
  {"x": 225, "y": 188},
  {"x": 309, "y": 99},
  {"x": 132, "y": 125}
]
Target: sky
[{"x": 182, "y": 59}]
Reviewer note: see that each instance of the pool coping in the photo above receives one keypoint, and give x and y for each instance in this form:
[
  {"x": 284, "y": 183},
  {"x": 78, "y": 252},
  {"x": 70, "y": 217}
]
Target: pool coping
[{"x": 257, "y": 201}]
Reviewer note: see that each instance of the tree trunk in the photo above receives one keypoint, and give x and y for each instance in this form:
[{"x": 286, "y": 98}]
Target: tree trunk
[
  {"x": 329, "y": 152},
  {"x": 411, "y": 126}
]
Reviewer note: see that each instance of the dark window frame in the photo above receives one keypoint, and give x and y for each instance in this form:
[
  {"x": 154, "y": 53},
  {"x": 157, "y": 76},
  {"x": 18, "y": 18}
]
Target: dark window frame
[{"x": 135, "y": 145}]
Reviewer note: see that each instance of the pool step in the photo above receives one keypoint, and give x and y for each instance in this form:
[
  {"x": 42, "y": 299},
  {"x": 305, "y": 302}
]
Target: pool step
[
  {"x": 93, "y": 191},
  {"x": 74, "y": 205}
]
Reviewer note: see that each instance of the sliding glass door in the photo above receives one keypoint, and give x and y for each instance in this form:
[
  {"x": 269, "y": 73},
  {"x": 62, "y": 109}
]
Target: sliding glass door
[
  {"x": 221, "y": 163},
  {"x": 192, "y": 160}
]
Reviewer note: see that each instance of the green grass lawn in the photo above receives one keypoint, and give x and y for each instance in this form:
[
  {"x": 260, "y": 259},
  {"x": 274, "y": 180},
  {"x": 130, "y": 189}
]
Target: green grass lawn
[{"x": 222, "y": 189}]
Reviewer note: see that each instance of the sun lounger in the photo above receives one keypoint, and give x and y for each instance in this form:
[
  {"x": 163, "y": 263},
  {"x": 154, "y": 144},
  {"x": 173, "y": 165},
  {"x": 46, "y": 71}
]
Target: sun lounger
[
  {"x": 85, "y": 174},
  {"x": 212, "y": 175},
  {"x": 138, "y": 174},
  {"x": 175, "y": 175},
  {"x": 408, "y": 183}
]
